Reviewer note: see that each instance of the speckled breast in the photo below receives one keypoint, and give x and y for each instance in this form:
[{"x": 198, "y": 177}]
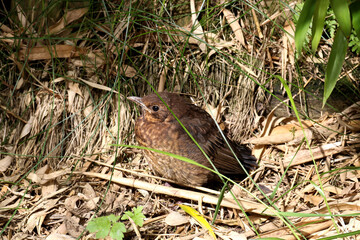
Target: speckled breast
[{"x": 165, "y": 137}]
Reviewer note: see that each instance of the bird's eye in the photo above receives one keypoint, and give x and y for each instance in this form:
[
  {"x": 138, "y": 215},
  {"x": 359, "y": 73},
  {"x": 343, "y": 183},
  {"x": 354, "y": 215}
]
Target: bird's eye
[{"x": 155, "y": 108}]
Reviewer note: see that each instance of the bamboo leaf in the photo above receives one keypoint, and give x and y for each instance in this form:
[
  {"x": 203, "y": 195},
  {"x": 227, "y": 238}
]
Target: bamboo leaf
[
  {"x": 304, "y": 22},
  {"x": 342, "y": 14},
  {"x": 318, "y": 22},
  {"x": 200, "y": 219},
  {"x": 336, "y": 60},
  {"x": 355, "y": 13}
]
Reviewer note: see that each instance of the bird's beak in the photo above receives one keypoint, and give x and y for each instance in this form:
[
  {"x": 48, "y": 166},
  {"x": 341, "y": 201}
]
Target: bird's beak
[{"x": 138, "y": 101}]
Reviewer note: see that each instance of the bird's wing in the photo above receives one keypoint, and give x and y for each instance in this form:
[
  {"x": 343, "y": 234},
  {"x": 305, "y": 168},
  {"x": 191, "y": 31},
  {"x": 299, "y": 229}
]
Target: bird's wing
[
  {"x": 226, "y": 162},
  {"x": 204, "y": 130}
]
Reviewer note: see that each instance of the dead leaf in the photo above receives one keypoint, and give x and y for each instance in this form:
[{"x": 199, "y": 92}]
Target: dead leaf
[
  {"x": 48, "y": 188},
  {"x": 59, "y": 79},
  {"x": 332, "y": 189},
  {"x": 287, "y": 137},
  {"x": 215, "y": 41},
  {"x": 73, "y": 227},
  {"x": 35, "y": 220},
  {"x": 22, "y": 18},
  {"x": 68, "y": 18},
  {"x": 306, "y": 228},
  {"x": 27, "y": 128},
  {"x": 5, "y": 163},
  {"x": 58, "y": 236},
  {"x": 237, "y": 236},
  {"x": 49, "y": 52},
  {"x": 216, "y": 113},
  {"x": 34, "y": 177},
  {"x": 304, "y": 156},
  {"x": 75, "y": 88},
  {"x": 88, "y": 103},
  {"x": 98, "y": 86},
  {"x": 354, "y": 224},
  {"x": 128, "y": 71},
  {"x": 197, "y": 29},
  {"x": 287, "y": 50},
  {"x": 89, "y": 191},
  {"x": 235, "y": 26},
  {"x": 72, "y": 91},
  {"x": 316, "y": 200},
  {"x": 80, "y": 205},
  {"x": 176, "y": 219}
]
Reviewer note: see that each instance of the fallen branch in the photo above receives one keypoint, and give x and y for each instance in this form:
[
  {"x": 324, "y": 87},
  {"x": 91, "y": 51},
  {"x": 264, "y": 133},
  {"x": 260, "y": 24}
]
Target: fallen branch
[{"x": 247, "y": 205}]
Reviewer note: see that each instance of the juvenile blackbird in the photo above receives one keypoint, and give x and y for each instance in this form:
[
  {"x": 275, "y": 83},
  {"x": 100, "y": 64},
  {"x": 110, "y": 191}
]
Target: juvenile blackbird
[{"x": 157, "y": 128}]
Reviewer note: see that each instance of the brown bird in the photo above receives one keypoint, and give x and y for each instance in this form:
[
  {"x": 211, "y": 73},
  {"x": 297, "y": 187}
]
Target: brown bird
[{"x": 157, "y": 128}]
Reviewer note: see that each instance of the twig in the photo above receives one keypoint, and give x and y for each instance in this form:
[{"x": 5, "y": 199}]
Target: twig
[{"x": 12, "y": 114}]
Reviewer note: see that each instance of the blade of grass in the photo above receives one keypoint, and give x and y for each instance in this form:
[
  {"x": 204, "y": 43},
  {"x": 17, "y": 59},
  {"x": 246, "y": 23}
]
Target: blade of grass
[{"x": 221, "y": 197}]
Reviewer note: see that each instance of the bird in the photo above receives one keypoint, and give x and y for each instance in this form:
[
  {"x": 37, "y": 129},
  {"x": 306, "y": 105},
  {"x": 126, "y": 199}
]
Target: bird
[{"x": 157, "y": 128}]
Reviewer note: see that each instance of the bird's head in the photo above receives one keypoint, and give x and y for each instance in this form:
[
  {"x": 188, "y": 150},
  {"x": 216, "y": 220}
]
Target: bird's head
[{"x": 154, "y": 109}]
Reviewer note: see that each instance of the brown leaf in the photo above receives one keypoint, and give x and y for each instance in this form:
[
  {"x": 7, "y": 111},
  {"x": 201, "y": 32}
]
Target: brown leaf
[
  {"x": 197, "y": 28},
  {"x": 128, "y": 71},
  {"x": 176, "y": 219},
  {"x": 235, "y": 26},
  {"x": 75, "y": 88},
  {"x": 316, "y": 200},
  {"x": 35, "y": 220},
  {"x": 5, "y": 163},
  {"x": 73, "y": 227},
  {"x": 58, "y": 236},
  {"x": 49, "y": 52},
  {"x": 68, "y": 18},
  {"x": 286, "y": 137},
  {"x": 27, "y": 128},
  {"x": 98, "y": 86},
  {"x": 21, "y": 15},
  {"x": 304, "y": 156}
]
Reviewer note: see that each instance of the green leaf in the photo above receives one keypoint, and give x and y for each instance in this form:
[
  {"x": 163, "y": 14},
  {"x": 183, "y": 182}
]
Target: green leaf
[
  {"x": 136, "y": 215},
  {"x": 220, "y": 198},
  {"x": 117, "y": 231},
  {"x": 355, "y": 13},
  {"x": 303, "y": 24},
  {"x": 318, "y": 22},
  {"x": 342, "y": 14},
  {"x": 107, "y": 225},
  {"x": 113, "y": 218},
  {"x": 101, "y": 226},
  {"x": 336, "y": 60}
]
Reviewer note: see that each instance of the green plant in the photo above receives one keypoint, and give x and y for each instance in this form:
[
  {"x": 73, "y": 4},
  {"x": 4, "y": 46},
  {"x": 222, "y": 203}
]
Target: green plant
[
  {"x": 136, "y": 215},
  {"x": 331, "y": 25},
  {"x": 347, "y": 16},
  {"x": 354, "y": 43},
  {"x": 109, "y": 225}
]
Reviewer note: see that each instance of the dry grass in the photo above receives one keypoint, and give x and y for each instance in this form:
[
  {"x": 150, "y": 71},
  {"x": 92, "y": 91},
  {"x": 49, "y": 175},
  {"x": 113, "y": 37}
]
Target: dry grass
[{"x": 64, "y": 83}]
